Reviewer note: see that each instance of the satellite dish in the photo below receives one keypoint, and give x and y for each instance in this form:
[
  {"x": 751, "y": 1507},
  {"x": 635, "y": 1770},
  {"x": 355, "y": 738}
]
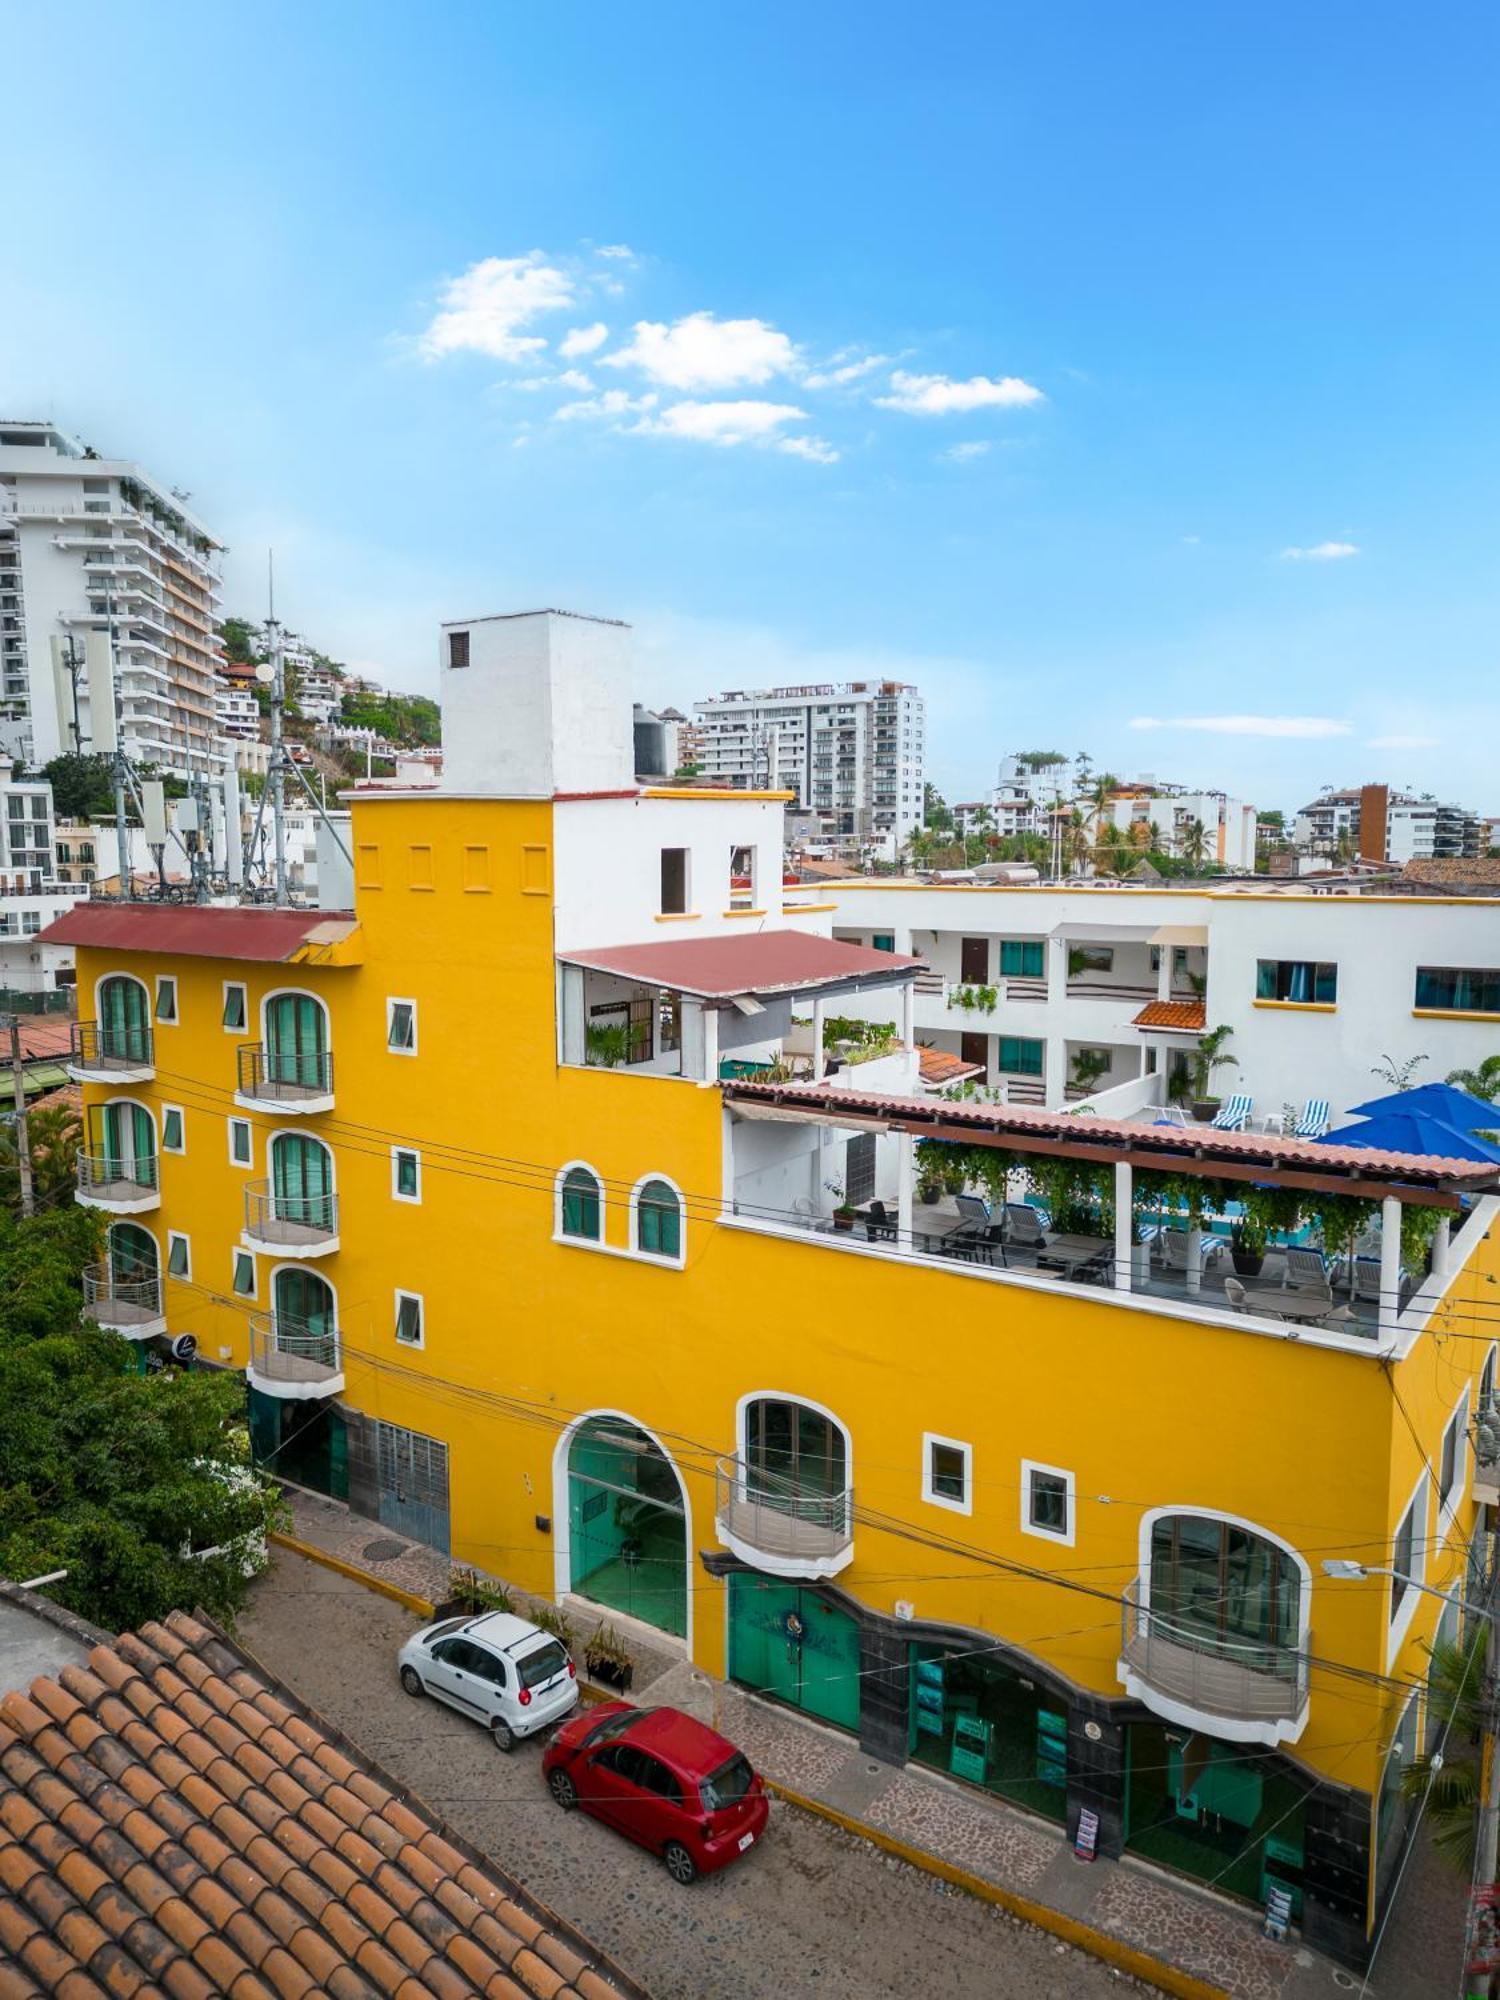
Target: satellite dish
[{"x": 265, "y": 673}]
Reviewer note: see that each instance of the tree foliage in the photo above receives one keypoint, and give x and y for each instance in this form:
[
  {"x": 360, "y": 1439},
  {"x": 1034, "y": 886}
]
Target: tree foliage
[
  {"x": 240, "y": 645},
  {"x": 82, "y": 787},
  {"x": 106, "y": 1472}
]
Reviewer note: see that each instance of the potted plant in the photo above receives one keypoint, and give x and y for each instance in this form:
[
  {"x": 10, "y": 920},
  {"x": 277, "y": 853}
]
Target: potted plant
[
  {"x": 1089, "y": 1065},
  {"x": 1247, "y": 1247},
  {"x": 1210, "y": 1054},
  {"x": 607, "y": 1658},
  {"x": 843, "y": 1214},
  {"x": 606, "y": 1047}
]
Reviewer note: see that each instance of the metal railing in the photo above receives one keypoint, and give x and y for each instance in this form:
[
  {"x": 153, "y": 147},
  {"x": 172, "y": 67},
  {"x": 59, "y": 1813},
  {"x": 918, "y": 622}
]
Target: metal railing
[
  {"x": 103, "y": 1045},
  {"x": 783, "y": 1517},
  {"x": 111, "y": 1176},
  {"x": 286, "y": 1350},
  {"x": 1233, "y": 1678},
  {"x": 116, "y": 1301},
  {"x": 275, "y": 1217},
  {"x": 282, "y": 1076}
]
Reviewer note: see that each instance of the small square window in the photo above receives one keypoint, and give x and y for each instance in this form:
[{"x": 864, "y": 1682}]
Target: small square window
[
  {"x": 458, "y": 649},
  {"x": 244, "y": 1274},
  {"x": 179, "y": 1256},
  {"x": 674, "y": 881},
  {"x": 406, "y": 1174},
  {"x": 401, "y": 1027},
  {"x": 166, "y": 999},
  {"x": 171, "y": 1130},
  {"x": 1047, "y": 1502},
  {"x": 947, "y": 1478},
  {"x": 234, "y": 1008},
  {"x": 408, "y": 1319},
  {"x": 241, "y": 1145}
]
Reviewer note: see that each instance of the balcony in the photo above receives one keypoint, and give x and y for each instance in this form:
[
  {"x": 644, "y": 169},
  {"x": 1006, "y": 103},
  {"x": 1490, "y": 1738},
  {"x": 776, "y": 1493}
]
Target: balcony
[
  {"x": 1246, "y": 1694},
  {"x": 103, "y": 1053},
  {"x": 780, "y": 1525},
  {"x": 293, "y": 1361},
  {"x": 128, "y": 1306},
  {"x": 118, "y": 1185},
  {"x": 299, "y": 1081},
  {"x": 290, "y": 1225}
]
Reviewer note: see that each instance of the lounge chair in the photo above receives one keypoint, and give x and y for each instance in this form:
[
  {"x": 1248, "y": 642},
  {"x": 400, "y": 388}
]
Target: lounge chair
[
  {"x": 1170, "y": 1114},
  {"x": 1306, "y": 1271},
  {"x": 1023, "y": 1226},
  {"x": 1364, "y": 1278},
  {"x": 1234, "y": 1114},
  {"x": 1174, "y": 1250},
  {"x": 1313, "y": 1120}
]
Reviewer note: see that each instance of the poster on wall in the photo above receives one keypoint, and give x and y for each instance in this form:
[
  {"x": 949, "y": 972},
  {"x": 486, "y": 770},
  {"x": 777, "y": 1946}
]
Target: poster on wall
[
  {"x": 969, "y": 1758},
  {"x": 930, "y": 1697}
]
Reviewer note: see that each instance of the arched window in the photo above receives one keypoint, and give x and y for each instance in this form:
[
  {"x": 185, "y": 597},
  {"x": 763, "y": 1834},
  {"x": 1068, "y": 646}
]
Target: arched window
[
  {"x": 133, "y": 1255},
  {"x": 297, "y": 1042},
  {"x": 129, "y": 1142},
  {"x": 795, "y": 1455},
  {"x": 306, "y": 1316},
  {"x": 302, "y": 1180},
  {"x": 1223, "y": 1586},
  {"x": 581, "y": 1206},
  {"x": 658, "y": 1219},
  {"x": 124, "y": 1020}
]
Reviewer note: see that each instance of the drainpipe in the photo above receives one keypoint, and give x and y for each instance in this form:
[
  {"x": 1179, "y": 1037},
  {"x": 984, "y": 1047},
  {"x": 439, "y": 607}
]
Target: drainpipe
[{"x": 1390, "y": 1266}]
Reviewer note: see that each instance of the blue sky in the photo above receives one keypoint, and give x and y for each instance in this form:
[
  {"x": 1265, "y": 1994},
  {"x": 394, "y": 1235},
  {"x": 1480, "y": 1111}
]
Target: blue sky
[{"x": 1103, "y": 369}]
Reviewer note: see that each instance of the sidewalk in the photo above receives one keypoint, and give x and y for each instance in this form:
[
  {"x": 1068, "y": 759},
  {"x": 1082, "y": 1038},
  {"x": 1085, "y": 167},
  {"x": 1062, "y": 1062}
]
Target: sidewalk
[{"x": 1180, "y": 1928}]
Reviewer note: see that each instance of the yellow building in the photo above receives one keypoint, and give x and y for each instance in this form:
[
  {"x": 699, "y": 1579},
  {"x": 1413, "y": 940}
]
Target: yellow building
[{"x": 522, "y": 1194}]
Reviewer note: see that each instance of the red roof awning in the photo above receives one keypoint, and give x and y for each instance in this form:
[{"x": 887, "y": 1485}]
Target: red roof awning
[
  {"x": 1186, "y": 1017},
  {"x": 717, "y": 968},
  {"x": 190, "y": 930}
]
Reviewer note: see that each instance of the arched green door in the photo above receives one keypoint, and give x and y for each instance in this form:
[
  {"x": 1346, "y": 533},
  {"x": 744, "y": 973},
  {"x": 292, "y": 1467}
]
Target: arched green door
[
  {"x": 627, "y": 1531},
  {"x": 306, "y": 1317},
  {"x": 132, "y": 1254},
  {"x": 302, "y": 1180},
  {"x": 296, "y": 1041},
  {"x": 129, "y": 1143},
  {"x": 124, "y": 1022}
]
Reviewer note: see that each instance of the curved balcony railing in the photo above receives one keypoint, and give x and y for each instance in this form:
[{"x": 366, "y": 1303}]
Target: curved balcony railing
[
  {"x": 289, "y": 1358},
  {"x": 308, "y": 1223},
  {"x": 128, "y": 1305},
  {"x": 1246, "y": 1691},
  {"x": 783, "y": 1525},
  {"x": 106, "y": 1180},
  {"x": 285, "y": 1079},
  {"x": 112, "y": 1054}
]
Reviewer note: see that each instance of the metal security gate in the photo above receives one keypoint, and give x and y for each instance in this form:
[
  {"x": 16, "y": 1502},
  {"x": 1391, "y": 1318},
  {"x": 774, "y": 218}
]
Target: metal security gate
[{"x": 413, "y": 1476}]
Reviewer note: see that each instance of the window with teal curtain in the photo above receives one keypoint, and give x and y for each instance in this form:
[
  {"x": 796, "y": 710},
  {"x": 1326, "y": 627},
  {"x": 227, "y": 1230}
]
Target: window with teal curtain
[
  {"x": 302, "y": 1180},
  {"x": 1020, "y": 1056},
  {"x": 124, "y": 1029},
  {"x": 1301, "y": 981},
  {"x": 1469, "y": 989},
  {"x": 296, "y": 1041},
  {"x": 580, "y": 1204},
  {"x": 658, "y": 1221},
  {"x": 1022, "y": 958}
]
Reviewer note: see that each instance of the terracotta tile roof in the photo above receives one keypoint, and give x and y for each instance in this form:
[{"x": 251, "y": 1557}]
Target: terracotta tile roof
[
  {"x": 1189, "y": 1015},
  {"x": 939, "y": 1067},
  {"x": 174, "y": 1822},
  {"x": 44, "y": 1035},
  {"x": 764, "y": 962},
  {"x": 1480, "y": 871},
  {"x": 266, "y": 936}
]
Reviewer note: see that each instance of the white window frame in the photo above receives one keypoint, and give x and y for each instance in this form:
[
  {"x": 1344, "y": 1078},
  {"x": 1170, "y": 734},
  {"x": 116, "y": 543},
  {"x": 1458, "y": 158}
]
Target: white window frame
[
  {"x": 648, "y": 1256},
  {"x": 1070, "y": 1484},
  {"x": 398, "y": 1154},
  {"x": 234, "y": 1271},
  {"x": 236, "y": 986},
  {"x": 1449, "y": 1504},
  {"x": 390, "y": 1021},
  {"x": 181, "y": 1236},
  {"x": 165, "y": 980},
  {"x": 559, "y": 1234},
  {"x": 246, "y": 1166},
  {"x": 1398, "y": 1622},
  {"x": 929, "y": 1492},
  {"x": 166, "y": 1112},
  {"x": 416, "y": 1298}
]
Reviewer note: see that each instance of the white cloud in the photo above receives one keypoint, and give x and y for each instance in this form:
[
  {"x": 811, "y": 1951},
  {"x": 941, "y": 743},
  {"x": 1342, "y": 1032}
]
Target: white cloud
[
  {"x": 941, "y": 395},
  {"x": 565, "y": 378},
  {"x": 621, "y": 253},
  {"x": 962, "y": 453},
  {"x": 1246, "y": 725},
  {"x": 1321, "y": 552},
  {"x": 613, "y": 403},
  {"x": 1191, "y": 541},
  {"x": 1401, "y": 742},
  {"x": 582, "y": 340},
  {"x": 746, "y": 422},
  {"x": 483, "y": 310},
  {"x": 840, "y": 371},
  {"x": 701, "y": 352},
  {"x": 819, "y": 450}
]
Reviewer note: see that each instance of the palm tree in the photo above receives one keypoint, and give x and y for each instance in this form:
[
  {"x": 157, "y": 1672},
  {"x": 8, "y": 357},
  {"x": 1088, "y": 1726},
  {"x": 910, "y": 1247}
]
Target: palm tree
[
  {"x": 1075, "y": 841},
  {"x": 1193, "y": 843},
  {"x": 54, "y": 1132},
  {"x": 1210, "y": 1055},
  {"x": 1482, "y": 1082},
  {"x": 1456, "y": 1703}
]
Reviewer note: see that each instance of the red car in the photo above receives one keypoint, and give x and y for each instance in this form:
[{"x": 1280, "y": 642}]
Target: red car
[{"x": 661, "y": 1778}]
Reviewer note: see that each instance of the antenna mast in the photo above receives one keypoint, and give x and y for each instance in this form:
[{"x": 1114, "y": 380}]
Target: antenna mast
[
  {"x": 278, "y": 763},
  {"x": 119, "y": 769}
]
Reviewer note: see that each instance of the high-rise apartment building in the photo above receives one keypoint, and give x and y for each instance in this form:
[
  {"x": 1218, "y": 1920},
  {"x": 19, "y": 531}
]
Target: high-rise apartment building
[
  {"x": 1377, "y": 824},
  {"x": 88, "y": 544},
  {"x": 854, "y": 754}
]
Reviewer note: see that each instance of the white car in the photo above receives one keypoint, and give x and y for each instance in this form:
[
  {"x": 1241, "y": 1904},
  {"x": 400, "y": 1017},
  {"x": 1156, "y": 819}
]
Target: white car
[{"x": 504, "y": 1671}]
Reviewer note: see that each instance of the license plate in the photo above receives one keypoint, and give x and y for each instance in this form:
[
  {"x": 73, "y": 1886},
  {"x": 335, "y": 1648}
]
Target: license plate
[{"x": 746, "y": 1840}]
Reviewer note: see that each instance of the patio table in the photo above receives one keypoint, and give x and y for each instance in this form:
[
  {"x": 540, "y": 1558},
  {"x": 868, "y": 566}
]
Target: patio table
[
  {"x": 1073, "y": 1254},
  {"x": 1290, "y": 1304}
]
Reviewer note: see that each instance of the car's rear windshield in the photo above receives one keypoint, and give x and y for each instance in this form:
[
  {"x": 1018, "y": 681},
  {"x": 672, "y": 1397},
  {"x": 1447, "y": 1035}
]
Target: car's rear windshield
[
  {"x": 728, "y": 1785},
  {"x": 614, "y": 1725},
  {"x": 542, "y": 1665}
]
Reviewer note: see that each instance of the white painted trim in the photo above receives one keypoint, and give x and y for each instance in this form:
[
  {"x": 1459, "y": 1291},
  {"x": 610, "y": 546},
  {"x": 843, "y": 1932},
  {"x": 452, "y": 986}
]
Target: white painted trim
[
  {"x": 174, "y": 1020},
  {"x": 929, "y": 1493},
  {"x": 652, "y": 1256},
  {"x": 181, "y": 1126},
  {"x": 1070, "y": 1485},
  {"x": 420, "y": 1342},
  {"x": 1448, "y": 1509},
  {"x": 242, "y": 1166},
  {"x": 1399, "y": 1625},
  {"x": 134, "y": 980},
  {"x": 559, "y": 1235},
  {"x": 1304, "y": 1568},
  {"x": 291, "y": 1264},
  {"x": 742, "y": 1446},
  {"x": 134, "y": 1222},
  {"x": 231, "y": 986},
  {"x": 298, "y": 993},
  {"x": 181, "y": 1236},
  {"x": 237, "y": 1251},
  {"x": 562, "y": 1532},
  {"x": 398, "y": 1153},
  {"x": 298, "y": 1132},
  {"x": 390, "y": 1015},
  {"x": 1492, "y": 1360}
]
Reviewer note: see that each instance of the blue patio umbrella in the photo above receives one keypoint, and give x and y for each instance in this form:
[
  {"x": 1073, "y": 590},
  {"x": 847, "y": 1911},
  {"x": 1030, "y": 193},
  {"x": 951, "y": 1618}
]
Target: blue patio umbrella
[
  {"x": 1414, "y": 1132},
  {"x": 1444, "y": 1101}
]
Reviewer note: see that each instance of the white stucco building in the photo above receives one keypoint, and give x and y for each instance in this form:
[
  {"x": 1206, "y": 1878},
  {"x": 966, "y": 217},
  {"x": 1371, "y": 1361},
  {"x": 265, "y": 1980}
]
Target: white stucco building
[
  {"x": 85, "y": 541},
  {"x": 1173, "y": 814},
  {"x": 1377, "y": 824},
  {"x": 32, "y": 891}
]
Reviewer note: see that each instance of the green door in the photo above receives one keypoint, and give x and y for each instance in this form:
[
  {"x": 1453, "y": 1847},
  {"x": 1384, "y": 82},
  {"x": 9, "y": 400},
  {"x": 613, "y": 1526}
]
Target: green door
[
  {"x": 296, "y": 1041},
  {"x": 790, "y": 1643},
  {"x": 129, "y": 1144},
  {"x": 305, "y": 1317},
  {"x": 302, "y": 1180},
  {"x": 124, "y": 1030},
  {"x": 627, "y": 1533}
]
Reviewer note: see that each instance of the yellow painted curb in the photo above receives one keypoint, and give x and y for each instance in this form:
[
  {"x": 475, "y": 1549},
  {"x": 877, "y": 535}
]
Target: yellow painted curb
[
  {"x": 422, "y": 1606},
  {"x": 1139, "y": 1964}
]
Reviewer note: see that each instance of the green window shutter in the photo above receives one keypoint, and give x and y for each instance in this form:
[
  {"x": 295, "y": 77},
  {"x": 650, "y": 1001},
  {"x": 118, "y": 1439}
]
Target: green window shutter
[
  {"x": 171, "y": 1130},
  {"x": 244, "y": 1274},
  {"x": 580, "y": 1205},
  {"x": 234, "y": 1006},
  {"x": 166, "y": 999},
  {"x": 177, "y": 1257},
  {"x": 408, "y": 1320},
  {"x": 658, "y": 1221},
  {"x": 406, "y": 1175}
]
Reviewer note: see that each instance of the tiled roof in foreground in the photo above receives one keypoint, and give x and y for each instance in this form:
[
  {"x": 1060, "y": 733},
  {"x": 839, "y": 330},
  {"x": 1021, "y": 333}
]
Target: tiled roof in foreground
[
  {"x": 1186, "y": 1015},
  {"x": 173, "y": 1823}
]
